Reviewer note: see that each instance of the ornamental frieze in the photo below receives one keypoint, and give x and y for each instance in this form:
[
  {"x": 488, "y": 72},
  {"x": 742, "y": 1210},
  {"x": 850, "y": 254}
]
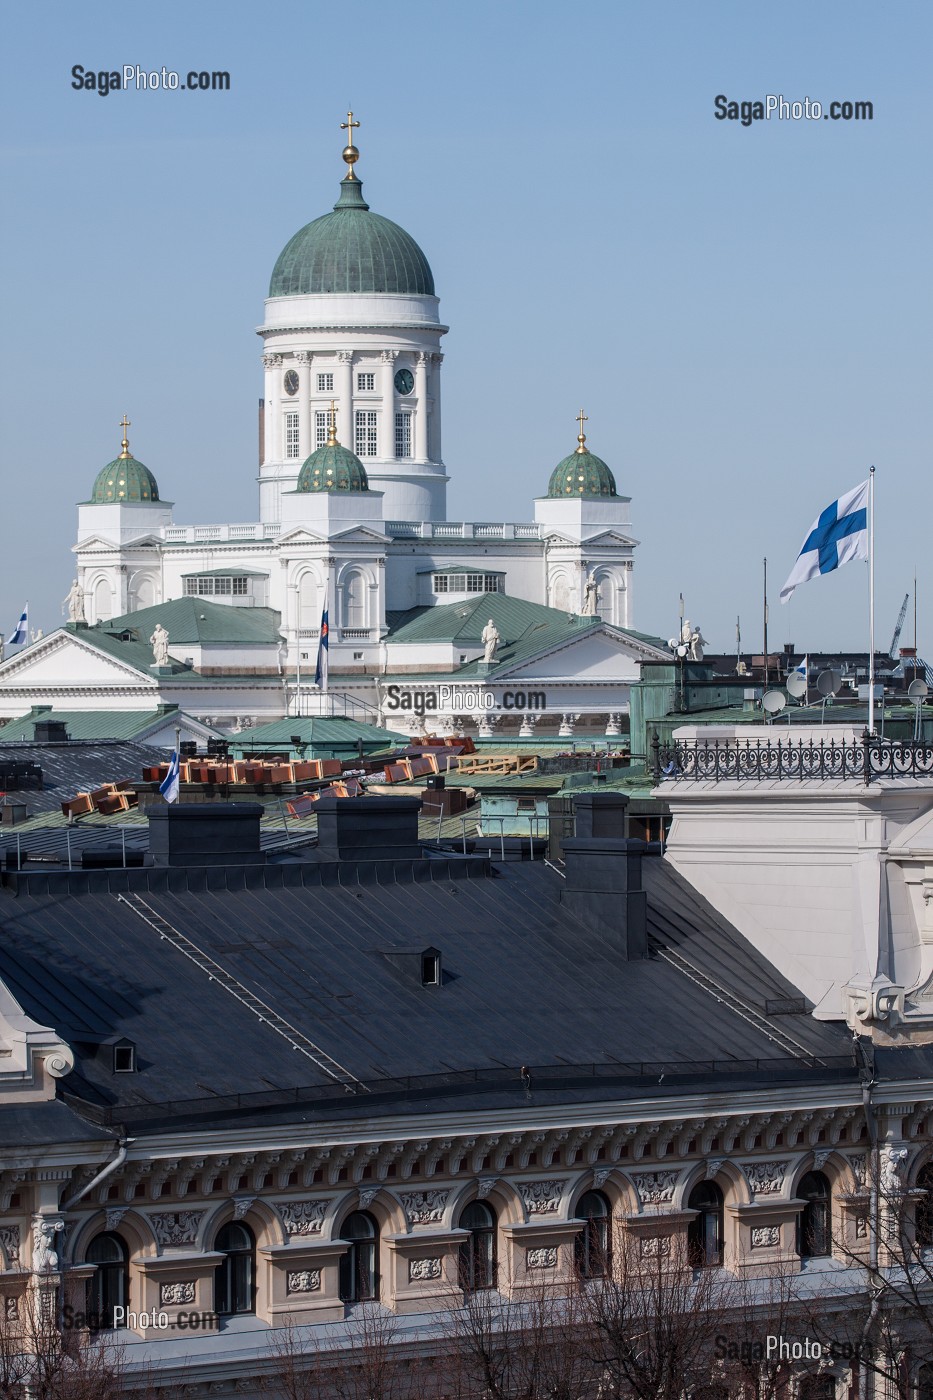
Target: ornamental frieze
[
  {"x": 423, "y": 1207},
  {"x": 303, "y": 1217},
  {"x": 541, "y": 1197},
  {"x": 765, "y": 1178},
  {"x": 655, "y": 1188},
  {"x": 175, "y": 1227}
]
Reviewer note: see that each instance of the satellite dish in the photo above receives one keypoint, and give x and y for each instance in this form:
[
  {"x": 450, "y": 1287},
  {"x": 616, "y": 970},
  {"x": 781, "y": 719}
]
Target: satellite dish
[
  {"x": 918, "y": 690},
  {"x": 796, "y": 684},
  {"x": 773, "y": 701},
  {"x": 828, "y": 682}
]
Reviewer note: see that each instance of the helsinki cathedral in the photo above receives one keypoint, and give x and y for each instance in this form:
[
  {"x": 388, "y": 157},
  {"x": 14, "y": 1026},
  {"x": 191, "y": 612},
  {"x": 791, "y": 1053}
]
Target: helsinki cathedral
[{"x": 352, "y": 512}]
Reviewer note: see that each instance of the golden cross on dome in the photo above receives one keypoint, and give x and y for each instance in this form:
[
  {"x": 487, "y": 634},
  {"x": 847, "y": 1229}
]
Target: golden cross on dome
[
  {"x": 125, "y": 445},
  {"x": 581, "y": 435},
  {"x": 332, "y": 428},
  {"x": 350, "y": 154}
]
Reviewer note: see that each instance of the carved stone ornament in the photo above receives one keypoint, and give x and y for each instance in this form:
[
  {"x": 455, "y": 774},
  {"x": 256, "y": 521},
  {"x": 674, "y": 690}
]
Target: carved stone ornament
[
  {"x": 11, "y": 1308},
  {"x": 175, "y": 1227},
  {"x": 714, "y": 1166},
  {"x": 486, "y": 1183},
  {"x": 424, "y": 1206},
  {"x": 10, "y": 1240},
  {"x": 388, "y": 357},
  {"x": 821, "y": 1157},
  {"x": 303, "y": 1281},
  {"x": 303, "y": 1217},
  {"x": 765, "y": 1236},
  {"x": 368, "y": 1196},
  {"x": 655, "y": 1246},
  {"x": 655, "y": 1188},
  {"x": 858, "y": 1162},
  {"x": 861, "y": 1227},
  {"x": 601, "y": 1176},
  {"x": 44, "y": 1253},
  {"x": 541, "y": 1197},
  {"x": 765, "y": 1178},
  {"x": 272, "y": 361},
  {"x": 172, "y": 1294},
  {"x": 541, "y": 1257},
  {"x": 305, "y": 357},
  {"x": 113, "y": 1216},
  {"x": 241, "y": 1206},
  {"x": 420, "y": 1269},
  {"x": 892, "y": 1163}
]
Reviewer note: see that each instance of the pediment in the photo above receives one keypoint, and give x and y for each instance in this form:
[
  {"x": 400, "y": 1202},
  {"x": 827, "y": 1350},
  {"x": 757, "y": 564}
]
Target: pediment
[
  {"x": 99, "y": 543},
  {"x": 65, "y": 659},
  {"x": 601, "y": 654},
  {"x": 301, "y": 535}
]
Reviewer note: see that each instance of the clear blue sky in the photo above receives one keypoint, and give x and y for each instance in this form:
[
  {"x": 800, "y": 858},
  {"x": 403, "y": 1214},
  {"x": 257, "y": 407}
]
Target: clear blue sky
[{"x": 744, "y": 313}]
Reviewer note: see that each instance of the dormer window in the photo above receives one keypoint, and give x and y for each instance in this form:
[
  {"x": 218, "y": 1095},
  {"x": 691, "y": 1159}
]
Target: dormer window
[
  {"x": 431, "y": 968},
  {"x": 467, "y": 583},
  {"x": 124, "y": 1057}
]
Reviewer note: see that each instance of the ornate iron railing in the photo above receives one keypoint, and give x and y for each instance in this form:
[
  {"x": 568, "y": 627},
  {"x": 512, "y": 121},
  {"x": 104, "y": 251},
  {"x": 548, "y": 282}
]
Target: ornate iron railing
[{"x": 755, "y": 760}]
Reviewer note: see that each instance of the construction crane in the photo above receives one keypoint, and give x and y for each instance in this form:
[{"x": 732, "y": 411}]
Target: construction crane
[{"x": 892, "y": 650}]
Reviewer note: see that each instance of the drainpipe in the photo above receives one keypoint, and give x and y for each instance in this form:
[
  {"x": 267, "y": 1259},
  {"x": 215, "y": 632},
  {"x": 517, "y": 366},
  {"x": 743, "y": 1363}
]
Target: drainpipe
[
  {"x": 102, "y": 1175},
  {"x": 873, "y": 1221}
]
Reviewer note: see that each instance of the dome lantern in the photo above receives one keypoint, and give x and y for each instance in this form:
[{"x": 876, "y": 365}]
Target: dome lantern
[{"x": 124, "y": 480}]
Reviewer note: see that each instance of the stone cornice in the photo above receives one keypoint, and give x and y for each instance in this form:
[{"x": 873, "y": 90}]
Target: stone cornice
[{"x": 357, "y": 327}]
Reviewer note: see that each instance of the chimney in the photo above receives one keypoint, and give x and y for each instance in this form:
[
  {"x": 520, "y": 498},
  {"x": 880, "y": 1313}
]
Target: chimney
[
  {"x": 209, "y": 833},
  {"x": 603, "y": 890},
  {"x": 600, "y": 814},
  {"x": 368, "y": 828},
  {"x": 50, "y": 731}
]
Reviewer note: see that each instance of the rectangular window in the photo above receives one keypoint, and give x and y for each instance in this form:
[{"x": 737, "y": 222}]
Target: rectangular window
[
  {"x": 403, "y": 434},
  {"x": 217, "y": 587},
  {"x": 365, "y": 383},
  {"x": 191, "y": 587},
  {"x": 240, "y": 586},
  {"x": 321, "y": 424},
  {"x": 325, "y": 383},
  {"x": 366, "y": 421},
  {"x": 292, "y": 443},
  {"x": 441, "y": 583},
  {"x": 474, "y": 583}
]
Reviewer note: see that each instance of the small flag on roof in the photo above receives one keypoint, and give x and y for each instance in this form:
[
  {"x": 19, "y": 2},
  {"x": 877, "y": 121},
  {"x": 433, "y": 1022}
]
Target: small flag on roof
[
  {"x": 21, "y": 631},
  {"x": 171, "y": 783}
]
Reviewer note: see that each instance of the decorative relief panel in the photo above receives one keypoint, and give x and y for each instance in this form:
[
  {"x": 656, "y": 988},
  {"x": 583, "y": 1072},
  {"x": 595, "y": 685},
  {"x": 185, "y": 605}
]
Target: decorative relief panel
[
  {"x": 11, "y": 1308},
  {"x": 655, "y": 1187},
  {"x": 10, "y": 1239},
  {"x": 420, "y": 1269},
  {"x": 421, "y": 1207},
  {"x": 303, "y": 1217},
  {"x": 173, "y": 1293},
  {"x": 858, "y": 1161},
  {"x": 765, "y": 1178},
  {"x": 541, "y": 1197},
  {"x": 541, "y": 1257},
  {"x": 655, "y": 1246},
  {"x": 765, "y": 1236},
  {"x": 303, "y": 1280},
  {"x": 176, "y": 1227}
]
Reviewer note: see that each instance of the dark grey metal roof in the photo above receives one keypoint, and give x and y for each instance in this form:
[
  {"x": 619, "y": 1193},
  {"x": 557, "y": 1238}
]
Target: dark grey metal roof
[
  {"x": 79, "y": 766},
  {"x": 523, "y": 984},
  {"x": 37, "y": 1124}
]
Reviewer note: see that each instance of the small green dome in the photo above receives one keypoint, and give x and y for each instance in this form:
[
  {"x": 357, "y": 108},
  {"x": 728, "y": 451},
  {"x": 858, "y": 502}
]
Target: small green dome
[
  {"x": 351, "y": 250},
  {"x": 582, "y": 474},
  {"x": 124, "y": 479},
  {"x": 333, "y": 468}
]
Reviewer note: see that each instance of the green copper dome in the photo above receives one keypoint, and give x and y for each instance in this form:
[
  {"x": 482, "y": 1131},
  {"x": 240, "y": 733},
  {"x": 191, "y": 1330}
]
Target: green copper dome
[
  {"x": 582, "y": 474},
  {"x": 333, "y": 468},
  {"x": 124, "y": 479},
  {"x": 351, "y": 250}
]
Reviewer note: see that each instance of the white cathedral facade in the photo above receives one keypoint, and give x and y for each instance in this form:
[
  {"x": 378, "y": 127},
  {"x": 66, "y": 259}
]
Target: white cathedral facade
[{"x": 352, "y": 511}]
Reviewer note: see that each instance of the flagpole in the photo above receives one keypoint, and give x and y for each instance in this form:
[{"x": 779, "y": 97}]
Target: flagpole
[
  {"x": 765, "y": 618},
  {"x": 871, "y": 601}
]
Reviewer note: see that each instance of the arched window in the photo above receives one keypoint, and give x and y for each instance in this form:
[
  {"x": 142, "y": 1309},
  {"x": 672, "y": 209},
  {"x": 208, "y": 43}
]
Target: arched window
[
  {"x": 478, "y": 1253},
  {"x": 110, "y": 1286},
  {"x": 925, "y": 1215},
  {"x": 814, "y": 1221},
  {"x": 706, "y": 1230},
  {"x": 234, "y": 1279},
  {"x": 592, "y": 1244},
  {"x": 354, "y": 600},
  {"x": 103, "y": 601},
  {"x": 359, "y": 1272},
  {"x": 309, "y": 615}
]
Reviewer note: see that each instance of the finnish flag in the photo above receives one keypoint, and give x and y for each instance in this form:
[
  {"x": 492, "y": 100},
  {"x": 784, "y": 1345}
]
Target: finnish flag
[
  {"x": 837, "y": 536},
  {"x": 323, "y": 653},
  {"x": 170, "y": 784},
  {"x": 22, "y": 629}
]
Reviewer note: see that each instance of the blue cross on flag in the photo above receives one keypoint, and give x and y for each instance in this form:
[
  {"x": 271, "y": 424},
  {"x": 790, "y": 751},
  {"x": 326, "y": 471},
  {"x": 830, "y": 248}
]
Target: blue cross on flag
[
  {"x": 323, "y": 653},
  {"x": 169, "y": 786},
  {"x": 839, "y": 535},
  {"x": 20, "y": 632}
]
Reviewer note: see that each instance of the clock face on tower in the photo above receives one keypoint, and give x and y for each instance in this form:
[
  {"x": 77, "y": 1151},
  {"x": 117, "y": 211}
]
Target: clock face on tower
[
  {"x": 291, "y": 381},
  {"x": 404, "y": 381}
]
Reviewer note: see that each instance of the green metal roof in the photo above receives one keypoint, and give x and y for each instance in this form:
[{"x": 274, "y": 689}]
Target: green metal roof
[
  {"x": 124, "y": 479},
  {"x": 88, "y": 724},
  {"x": 333, "y": 468},
  {"x": 351, "y": 250},
  {"x": 318, "y": 732},
  {"x": 582, "y": 474},
  {"x": 481, "y": 568},
  {"x": 231, "y": 569},
  {"x": 189, "y": 622}
]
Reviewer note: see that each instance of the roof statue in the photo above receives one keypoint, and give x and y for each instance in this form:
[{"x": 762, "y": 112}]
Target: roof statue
[
  {"x": 590, "y": 597},
  {"x": 159, "y": 643},
  {"x": 491, "y": 638},
  {"x": 75, "y": 603},
  {"x": 696, "y": 642}
]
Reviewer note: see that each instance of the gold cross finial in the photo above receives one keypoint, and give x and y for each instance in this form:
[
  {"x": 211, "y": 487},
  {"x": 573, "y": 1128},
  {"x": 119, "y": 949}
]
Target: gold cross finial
[
  {"x": 350, "y": 154},
  {"x": 125, "y": 445},
  {"x": 581, "y": 435},
  {"x": 332, "y": 427}
]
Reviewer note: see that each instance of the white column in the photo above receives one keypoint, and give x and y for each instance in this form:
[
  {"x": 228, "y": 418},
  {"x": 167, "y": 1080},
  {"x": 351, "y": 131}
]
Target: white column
[
  {"x": 305, "y": 441},
  {"x": 273, "y": 365},
  {"x": 435, "y": 450},
  {"x": 387, "y": 414},
  {"x": 421, "y": 411},
  {"x": 343, "y": 393}
]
